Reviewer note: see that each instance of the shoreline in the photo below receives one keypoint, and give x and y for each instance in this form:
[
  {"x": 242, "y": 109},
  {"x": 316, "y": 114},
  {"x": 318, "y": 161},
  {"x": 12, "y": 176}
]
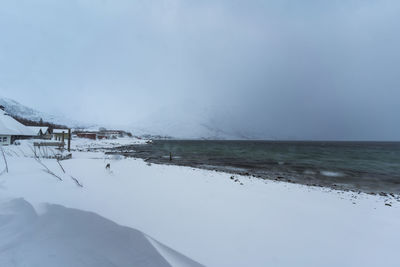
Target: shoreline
[{"x": 263, "y": 175}]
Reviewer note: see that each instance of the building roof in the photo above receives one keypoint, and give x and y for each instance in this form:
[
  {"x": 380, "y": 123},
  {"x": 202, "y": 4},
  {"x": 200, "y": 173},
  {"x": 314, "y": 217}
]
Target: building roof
[
  {"x": 10, "y": 126},
  {"x": 60, "y": 131},
  {"x": 37, "y": 129}
]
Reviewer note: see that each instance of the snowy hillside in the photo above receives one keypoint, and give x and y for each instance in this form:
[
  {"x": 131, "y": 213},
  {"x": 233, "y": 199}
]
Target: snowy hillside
[
  {"x": 159, "y": 124},
  {"x": 188, "y": 125},
  {"x": 16, "y": 109}
]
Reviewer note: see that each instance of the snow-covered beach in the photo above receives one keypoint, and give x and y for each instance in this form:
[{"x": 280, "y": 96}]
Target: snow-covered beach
[
  {"x": 216, "y": 133},
  {"x": 208, "y": 216}
]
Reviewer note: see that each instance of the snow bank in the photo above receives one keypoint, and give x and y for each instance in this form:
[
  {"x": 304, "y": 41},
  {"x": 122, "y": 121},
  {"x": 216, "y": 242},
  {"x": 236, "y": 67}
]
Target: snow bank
[
  {"x": 83, "y": 144},
  {"x": 70, "y": 237}
]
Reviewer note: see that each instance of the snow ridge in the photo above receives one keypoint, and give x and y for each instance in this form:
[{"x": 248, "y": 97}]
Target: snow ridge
[{"x": 69, "y": 237}]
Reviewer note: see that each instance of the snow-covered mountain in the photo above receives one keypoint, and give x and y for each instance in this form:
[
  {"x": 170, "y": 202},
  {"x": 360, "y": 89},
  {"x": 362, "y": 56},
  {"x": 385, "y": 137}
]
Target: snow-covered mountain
[
  {"x": 190, "y": 124},
  {"x": 16, "y": 109},
  {"x": 187, "y": 130},
  {"x": 156, "y": 125}
]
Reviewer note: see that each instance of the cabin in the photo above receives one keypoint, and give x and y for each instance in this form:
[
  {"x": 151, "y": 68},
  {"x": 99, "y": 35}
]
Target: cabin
[
  {"x": 102, "y": 134},
  {"x": 60, "y": 134},
  {"x": 11, "y": 129},
  {"x": 40, "y": 131},
  {"x": 88, "y": 135}
]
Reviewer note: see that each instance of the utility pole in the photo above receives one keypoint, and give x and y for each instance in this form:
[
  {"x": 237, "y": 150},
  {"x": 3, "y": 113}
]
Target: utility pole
[
  {"x": 69, "y": 140},
  {"x": 62, "y": 139}
]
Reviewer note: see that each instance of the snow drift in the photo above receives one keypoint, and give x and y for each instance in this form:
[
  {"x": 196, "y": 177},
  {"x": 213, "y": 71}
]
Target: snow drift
[{"x": 68, "y": 237}]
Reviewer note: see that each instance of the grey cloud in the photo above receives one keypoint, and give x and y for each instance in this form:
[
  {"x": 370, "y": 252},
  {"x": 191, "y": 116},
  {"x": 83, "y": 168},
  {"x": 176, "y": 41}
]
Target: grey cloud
[{"x": 266, "y": 69}]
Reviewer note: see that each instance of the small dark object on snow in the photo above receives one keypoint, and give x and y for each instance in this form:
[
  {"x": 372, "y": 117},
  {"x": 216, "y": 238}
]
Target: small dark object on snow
[
  {"x": 387, "y": 204},
  {"x": 170, "y": 156},
  {"x": 232, "y": 177},
  {"x": 383, "y": 194},
  {"x": 108, "y": 166}
]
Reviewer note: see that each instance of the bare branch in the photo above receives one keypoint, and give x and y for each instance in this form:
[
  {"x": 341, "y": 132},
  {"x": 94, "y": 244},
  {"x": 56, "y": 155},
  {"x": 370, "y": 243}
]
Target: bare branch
[
  {"x": 44, "y": 166},
  {"x": 59, "y": 163},
  {"x": 76, "y": 181},
  {"x": 4, "y": 157},
  {"x": 46, "y": 169}
]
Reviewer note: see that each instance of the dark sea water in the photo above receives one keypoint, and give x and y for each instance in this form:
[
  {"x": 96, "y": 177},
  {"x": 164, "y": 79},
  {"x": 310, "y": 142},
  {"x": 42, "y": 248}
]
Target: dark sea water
[{"x": 364, "y": 166}]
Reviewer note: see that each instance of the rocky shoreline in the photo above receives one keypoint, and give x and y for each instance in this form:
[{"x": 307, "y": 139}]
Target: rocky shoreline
[{"x": 127, "y": 151}]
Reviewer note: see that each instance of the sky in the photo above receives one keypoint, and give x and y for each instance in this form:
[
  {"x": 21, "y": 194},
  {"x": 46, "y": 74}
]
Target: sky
[{"x": 278, "y": 69}]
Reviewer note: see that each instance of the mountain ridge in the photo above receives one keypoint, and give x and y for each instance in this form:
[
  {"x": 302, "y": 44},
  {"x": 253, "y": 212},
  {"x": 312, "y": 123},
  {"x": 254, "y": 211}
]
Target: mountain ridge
[
  {"x": 158, "y": 127},
  {"x": 14, "y": 108}
]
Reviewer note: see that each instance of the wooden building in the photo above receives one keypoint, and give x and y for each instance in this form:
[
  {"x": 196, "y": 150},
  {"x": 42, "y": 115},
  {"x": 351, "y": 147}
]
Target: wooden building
[
  {"x": 40, "y": 131},
  {"x": 89, "y": 135},
  {"x": 59, "y": 133},
  {"x": 11, "y": 129}
]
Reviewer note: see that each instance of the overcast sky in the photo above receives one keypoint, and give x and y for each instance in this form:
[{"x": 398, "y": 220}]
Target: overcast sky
[{"x": 282, "y": 69}]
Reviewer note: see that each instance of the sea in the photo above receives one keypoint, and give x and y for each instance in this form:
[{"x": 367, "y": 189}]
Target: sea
[{"x": 371, "y": 167}]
